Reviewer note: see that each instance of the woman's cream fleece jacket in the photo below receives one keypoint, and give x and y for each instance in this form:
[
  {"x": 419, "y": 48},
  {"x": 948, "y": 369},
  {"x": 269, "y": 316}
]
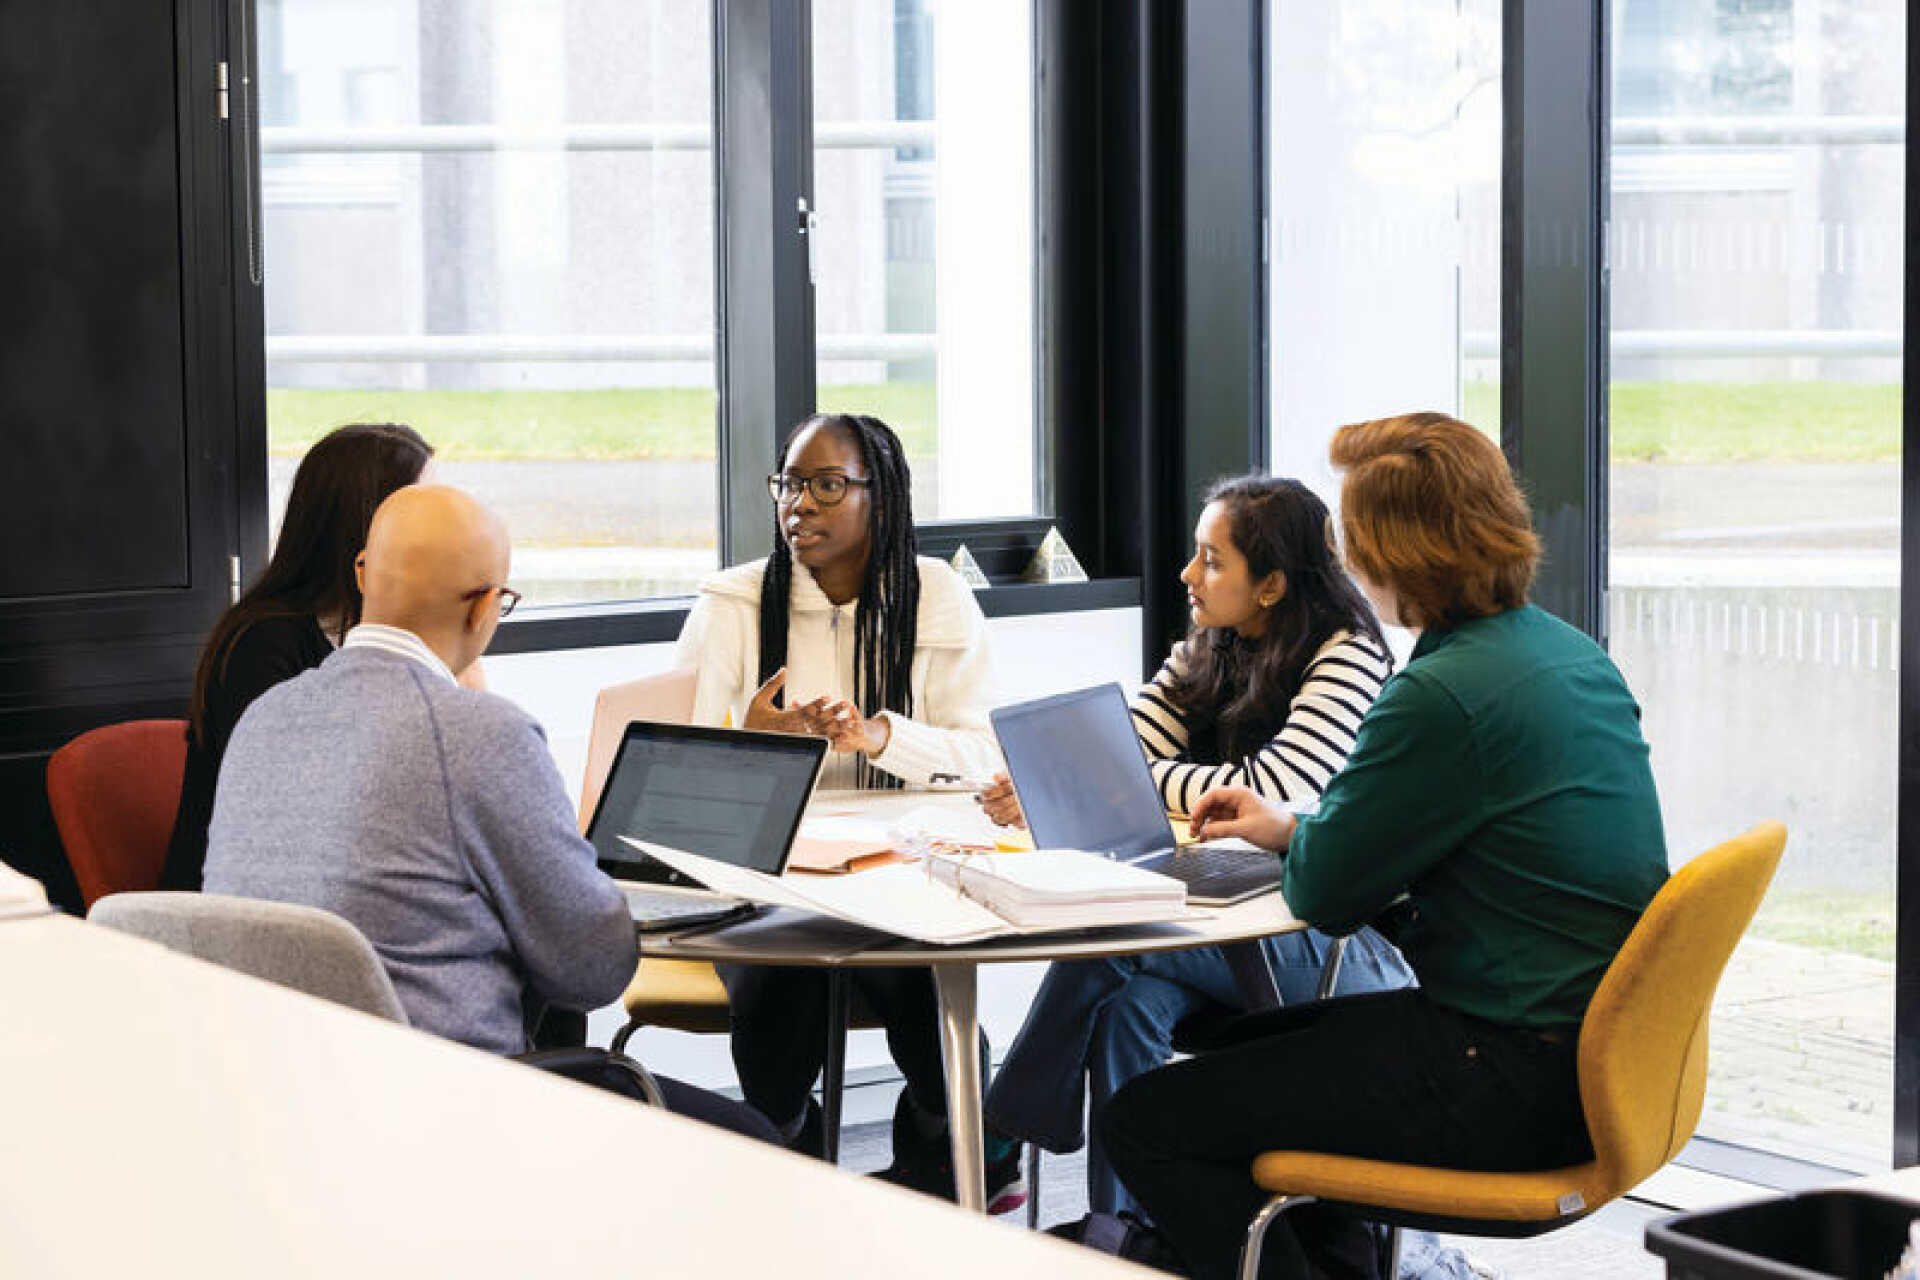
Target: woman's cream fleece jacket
[{"x": 952, "y": 668}]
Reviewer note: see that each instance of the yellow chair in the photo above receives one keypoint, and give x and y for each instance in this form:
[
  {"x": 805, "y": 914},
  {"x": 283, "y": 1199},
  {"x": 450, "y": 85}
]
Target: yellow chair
[{"x": 1643, "y": 1075}]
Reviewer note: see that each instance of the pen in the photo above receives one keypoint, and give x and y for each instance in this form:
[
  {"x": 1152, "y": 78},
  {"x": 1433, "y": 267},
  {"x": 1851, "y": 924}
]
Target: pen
[{"x": 958, "y": 780}]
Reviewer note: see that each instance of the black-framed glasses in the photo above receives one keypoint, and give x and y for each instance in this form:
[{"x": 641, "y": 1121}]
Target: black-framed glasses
[
  {"x": 829, "y": 488},
  {"x": 509, "y": 598}
]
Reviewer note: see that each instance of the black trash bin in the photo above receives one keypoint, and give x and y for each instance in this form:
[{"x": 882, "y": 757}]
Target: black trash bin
[{"x": 1821, "y": 1235}]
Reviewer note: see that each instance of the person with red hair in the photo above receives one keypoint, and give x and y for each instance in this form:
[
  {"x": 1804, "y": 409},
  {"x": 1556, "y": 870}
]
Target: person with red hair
[{"x": 1499, "y": 798}]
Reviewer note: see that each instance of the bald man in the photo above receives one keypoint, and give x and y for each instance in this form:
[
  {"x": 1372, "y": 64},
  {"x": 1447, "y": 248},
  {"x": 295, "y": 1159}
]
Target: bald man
[{"x": 430, "y": 815}]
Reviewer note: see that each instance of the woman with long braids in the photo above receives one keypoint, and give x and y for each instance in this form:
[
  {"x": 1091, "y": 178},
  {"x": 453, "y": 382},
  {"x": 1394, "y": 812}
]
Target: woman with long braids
[
  {"x": 845, "y": 632},
  {"x": 1266, "y": 691}
]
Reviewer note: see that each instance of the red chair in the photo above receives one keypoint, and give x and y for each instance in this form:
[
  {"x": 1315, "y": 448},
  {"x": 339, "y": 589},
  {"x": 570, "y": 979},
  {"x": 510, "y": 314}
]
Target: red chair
[{"x": 114, "y": 793}]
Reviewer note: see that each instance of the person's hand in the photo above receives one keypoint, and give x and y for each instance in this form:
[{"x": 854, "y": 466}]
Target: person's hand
[
  {"x": 763, "y": 714},
  {"x": 1000, "y": 804},
  {"x": 847, "y": 730},
  {"x": 1227, "y": 812}
]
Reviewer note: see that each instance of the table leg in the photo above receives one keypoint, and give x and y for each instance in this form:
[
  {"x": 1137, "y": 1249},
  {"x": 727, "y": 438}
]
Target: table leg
[{"x": 960, "y": 1044}]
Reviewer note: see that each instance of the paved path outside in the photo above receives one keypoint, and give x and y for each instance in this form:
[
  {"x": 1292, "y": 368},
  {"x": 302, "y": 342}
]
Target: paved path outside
[{"x": 1801, "y": 1055}]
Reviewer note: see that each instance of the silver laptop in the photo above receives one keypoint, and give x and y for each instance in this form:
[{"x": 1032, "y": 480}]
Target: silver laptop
[
  {"x": 1083, "y": 783},
  {"x": 736, "y": 795}
]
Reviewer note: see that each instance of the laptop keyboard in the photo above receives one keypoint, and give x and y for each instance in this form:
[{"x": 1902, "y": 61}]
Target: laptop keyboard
[
  {"x": 1196, "y": 862},
  {"x": 1216, "y": 871},
  {"x": 652, "y": 907}
]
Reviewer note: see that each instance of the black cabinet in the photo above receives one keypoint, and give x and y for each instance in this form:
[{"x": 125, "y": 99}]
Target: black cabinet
[{"x": 130, "y": 367}]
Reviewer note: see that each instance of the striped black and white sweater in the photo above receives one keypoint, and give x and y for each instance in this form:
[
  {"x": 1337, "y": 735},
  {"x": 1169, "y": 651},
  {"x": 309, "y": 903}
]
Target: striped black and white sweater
[{"x": 1337, "y": 687}]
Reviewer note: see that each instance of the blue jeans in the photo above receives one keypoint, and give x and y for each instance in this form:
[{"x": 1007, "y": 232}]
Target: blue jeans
[{"x": 1100, "y": 1023}]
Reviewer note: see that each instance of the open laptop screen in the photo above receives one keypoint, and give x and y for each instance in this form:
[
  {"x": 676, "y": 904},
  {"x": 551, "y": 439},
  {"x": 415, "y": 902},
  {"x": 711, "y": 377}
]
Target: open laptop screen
[
  {"x": 729, "y": 794},
  {"x": 1081, "y": 777}
]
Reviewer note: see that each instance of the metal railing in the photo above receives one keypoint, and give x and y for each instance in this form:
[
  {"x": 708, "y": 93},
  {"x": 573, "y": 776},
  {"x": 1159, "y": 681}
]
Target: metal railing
[
  {"x": 487, "y": 348},
  {"x": 1743, "y": 131},
  {"x": 1628, "y": 131},
  {"x": 1721, "y": 344},
  {"x": 483, "y": 348},
  {"x": 440, "y": 138},
  {"x": 1756, "y": 131}
]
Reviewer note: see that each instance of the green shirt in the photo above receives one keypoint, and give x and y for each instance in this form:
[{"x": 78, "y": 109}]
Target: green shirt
[{"x": 1500, "y": 782}]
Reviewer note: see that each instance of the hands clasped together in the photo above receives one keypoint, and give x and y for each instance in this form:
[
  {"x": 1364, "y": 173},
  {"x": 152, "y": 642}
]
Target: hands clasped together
[{"x": 835, "y": 719}]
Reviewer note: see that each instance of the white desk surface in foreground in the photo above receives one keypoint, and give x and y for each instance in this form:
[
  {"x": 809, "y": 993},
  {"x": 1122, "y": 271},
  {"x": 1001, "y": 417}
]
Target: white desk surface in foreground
[{"x": 167, "y": 1118}]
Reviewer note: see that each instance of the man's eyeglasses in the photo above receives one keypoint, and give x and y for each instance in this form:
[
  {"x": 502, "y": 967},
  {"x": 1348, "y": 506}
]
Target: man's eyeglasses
[
  {"x": 509, "y": 598},
  {"x": 829, "y": 488}
]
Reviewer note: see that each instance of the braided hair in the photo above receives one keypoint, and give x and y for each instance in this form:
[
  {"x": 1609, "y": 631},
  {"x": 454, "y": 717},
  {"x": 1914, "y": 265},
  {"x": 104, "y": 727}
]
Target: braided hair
[{"x": 886, "y": 619}]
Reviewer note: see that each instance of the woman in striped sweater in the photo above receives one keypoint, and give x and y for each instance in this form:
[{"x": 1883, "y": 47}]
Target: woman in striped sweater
[{"x": 1266, "y": 691}]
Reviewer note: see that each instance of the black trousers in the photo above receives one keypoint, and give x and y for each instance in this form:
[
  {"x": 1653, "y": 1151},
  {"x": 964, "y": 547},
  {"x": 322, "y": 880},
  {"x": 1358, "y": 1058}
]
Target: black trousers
[
  {"x": 780, "y": 1032},
  {"x": 1391, "y": 1076},
  {"x": 710, "y": 1108}
]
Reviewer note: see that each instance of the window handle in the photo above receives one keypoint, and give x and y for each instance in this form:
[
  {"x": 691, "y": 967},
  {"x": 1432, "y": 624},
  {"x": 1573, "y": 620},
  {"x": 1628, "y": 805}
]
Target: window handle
[{"x": 809, "y": 232}]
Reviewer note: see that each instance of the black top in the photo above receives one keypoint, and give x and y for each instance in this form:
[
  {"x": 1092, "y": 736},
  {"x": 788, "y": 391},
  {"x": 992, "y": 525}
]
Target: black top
[{"x": 261, "y": 656}]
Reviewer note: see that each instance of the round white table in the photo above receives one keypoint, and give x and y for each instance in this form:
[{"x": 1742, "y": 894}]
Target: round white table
[{"x": 784, "y": 937}]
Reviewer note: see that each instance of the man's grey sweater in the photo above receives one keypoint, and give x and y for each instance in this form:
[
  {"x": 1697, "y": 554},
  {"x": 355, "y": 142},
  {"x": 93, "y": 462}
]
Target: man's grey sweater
[{"x": 433, "y": 818}]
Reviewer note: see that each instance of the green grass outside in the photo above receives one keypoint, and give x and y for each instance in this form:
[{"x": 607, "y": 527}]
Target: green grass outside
[
  {"x": 1756, "y": 422},
  {"x": 1858, "y": 924},
  {"x": 1651, "y": 421},
  {"x": 656, "y": 422}
]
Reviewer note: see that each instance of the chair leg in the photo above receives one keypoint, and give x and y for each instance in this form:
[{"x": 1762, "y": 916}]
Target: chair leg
[
  {"x": 1033, "y": 1186},
  {"x": 623, "y": 1035},
  {"x": 1330, "y": 971},
  {"x": 649, "y": 1087},
  {"x": 1393, "y": 1253},
  {"x": 1257, "y": 1232},
  {"x": 833, "y": 1075}
]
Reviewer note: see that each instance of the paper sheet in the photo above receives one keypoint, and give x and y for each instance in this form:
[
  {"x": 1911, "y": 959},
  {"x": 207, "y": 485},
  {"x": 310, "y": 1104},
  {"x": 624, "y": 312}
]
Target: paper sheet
[{"x": 899, "y": 899}]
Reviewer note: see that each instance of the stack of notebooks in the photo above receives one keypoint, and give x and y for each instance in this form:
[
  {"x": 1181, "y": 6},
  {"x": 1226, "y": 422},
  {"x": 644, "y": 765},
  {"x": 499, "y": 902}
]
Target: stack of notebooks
[{"x": 1062, "y": 888}]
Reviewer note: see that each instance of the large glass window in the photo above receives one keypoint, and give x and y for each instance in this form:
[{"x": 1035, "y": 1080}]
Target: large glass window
[
  {"x": 1383, "y": 217},
  {"x": 494, "y": 222},
  {"x": 923, "y": 250},
  {"x": 1756, "y": 259}
]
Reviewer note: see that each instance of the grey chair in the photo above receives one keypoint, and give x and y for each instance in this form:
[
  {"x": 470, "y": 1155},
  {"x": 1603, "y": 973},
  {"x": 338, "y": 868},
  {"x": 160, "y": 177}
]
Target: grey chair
[
  {"x": 321, "y": 954},
  {"x": 304, "y": 948}
]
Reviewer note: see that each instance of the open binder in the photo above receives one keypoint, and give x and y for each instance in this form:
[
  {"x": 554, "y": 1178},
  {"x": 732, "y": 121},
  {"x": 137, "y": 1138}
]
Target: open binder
[{"x": 958, "y": 899}]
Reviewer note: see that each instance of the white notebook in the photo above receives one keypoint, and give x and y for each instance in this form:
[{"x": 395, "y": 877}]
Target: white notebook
[
  {"x": 1062, "y": 888},
  {"x": 907, "y": 900}
]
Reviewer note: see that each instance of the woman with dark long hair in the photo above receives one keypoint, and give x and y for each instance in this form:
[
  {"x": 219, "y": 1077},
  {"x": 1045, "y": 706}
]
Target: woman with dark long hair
[
  {"x": 845, "y": 632},
  {"x": 294, "y": 615},
  {"x": 1266, "y": 691}
]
